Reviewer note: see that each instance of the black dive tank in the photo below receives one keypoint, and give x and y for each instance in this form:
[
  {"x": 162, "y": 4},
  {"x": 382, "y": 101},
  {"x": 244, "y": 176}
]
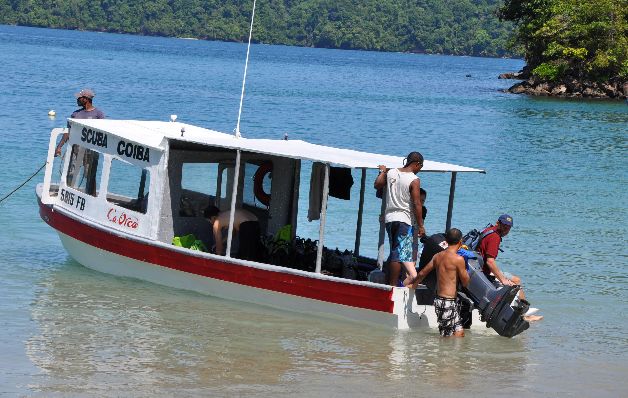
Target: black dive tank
[
  {"x": 495, "y": 303},
  {"x": 431, "y": 245}
]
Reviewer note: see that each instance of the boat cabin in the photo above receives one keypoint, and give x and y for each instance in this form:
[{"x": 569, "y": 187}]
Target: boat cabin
[{"x": 152, "y": 181}]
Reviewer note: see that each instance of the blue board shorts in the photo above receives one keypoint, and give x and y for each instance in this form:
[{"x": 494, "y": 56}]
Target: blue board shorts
[{"x": 403, "y": 247}]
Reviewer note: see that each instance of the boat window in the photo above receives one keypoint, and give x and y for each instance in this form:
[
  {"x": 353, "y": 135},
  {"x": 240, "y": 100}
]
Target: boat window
[
  {"x": 84, "y": 171},
  {"x": 199, "y": 181},
  {"x": 200, "y": 177},
  {"x": 257, "y": 184},
  {"x": 128, "y": 186}
]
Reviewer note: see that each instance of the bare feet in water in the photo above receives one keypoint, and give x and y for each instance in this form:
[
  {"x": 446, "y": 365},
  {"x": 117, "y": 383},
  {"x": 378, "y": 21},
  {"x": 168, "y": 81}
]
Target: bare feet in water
[{"x": 533, "y": 318}]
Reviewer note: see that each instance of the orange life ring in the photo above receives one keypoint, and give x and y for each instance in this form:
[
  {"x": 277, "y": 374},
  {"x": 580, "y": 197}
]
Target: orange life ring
[{"x": 258, "y": 182}]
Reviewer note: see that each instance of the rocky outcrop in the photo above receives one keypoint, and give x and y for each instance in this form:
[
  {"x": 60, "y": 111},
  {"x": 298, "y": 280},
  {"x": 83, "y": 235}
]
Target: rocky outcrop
[
  {"x": 523, "y": 74},
  {"x": 568, "y": 88}
]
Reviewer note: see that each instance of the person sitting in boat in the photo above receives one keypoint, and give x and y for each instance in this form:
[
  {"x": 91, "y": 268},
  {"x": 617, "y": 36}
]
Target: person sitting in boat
[
  {"x": 488, "y": 247},
  {"x": 87, "y": 110},
  {"x": 403, "y": 211},
  {"x": 450, "y": 269},
  {"x": 423, "y": 196},
  {"x": 242, "y": 219}
]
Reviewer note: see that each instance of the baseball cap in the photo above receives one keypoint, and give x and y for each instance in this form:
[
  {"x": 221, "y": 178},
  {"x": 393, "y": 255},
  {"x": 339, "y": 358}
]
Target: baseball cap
[
  {"x": 505, "y": 219},
  {"x": 86, "y": 92}
]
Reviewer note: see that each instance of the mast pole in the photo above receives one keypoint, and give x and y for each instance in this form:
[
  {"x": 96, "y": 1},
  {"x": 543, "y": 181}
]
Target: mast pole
[{"x": 246, "y": 65}]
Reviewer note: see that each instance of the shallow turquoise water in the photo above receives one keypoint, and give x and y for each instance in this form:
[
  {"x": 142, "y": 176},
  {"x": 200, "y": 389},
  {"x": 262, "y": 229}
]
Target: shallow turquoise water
[{"x": 559, "y": 167}]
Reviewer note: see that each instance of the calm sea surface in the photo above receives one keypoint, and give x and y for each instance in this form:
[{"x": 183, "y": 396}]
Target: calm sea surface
[{"x": 559, "y": 167}]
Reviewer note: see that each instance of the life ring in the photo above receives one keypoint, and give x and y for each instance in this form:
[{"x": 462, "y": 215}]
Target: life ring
[{"x": 258, "y": 183}]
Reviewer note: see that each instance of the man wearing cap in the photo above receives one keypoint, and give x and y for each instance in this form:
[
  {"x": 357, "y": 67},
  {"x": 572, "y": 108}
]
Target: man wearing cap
[
  {"x": 489, "y": 247},
  {"x": 84, "y": 99},
  {"x": 403, "y": 212}
]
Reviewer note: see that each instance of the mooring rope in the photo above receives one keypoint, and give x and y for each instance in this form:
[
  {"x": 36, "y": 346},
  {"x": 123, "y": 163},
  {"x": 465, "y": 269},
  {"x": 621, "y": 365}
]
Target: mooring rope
[{"x": 24, "y": 183}]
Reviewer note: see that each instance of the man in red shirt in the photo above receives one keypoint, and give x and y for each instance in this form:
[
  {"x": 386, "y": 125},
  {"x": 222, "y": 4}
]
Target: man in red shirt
[{"x": 489, "y": 248}]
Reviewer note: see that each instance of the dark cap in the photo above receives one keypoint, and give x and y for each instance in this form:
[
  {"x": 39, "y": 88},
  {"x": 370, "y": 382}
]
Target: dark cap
[
  {"x": 413, "y": 157},
  {"x": 505, "y": 219},
  {"x": 86, "y": 92}
]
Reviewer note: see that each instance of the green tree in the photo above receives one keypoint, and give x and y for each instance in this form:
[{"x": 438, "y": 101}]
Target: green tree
[
  {"x": 584, "y": 39},
  {"x": 432, "y": 26}
]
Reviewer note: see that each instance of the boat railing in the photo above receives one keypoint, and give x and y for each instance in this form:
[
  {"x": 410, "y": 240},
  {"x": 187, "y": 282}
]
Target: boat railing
[{"x": 46, "y": 198}]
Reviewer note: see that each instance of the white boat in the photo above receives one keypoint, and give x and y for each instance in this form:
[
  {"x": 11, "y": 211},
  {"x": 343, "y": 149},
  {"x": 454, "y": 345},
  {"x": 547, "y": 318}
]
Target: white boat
[{"x": 124, "y": 194}]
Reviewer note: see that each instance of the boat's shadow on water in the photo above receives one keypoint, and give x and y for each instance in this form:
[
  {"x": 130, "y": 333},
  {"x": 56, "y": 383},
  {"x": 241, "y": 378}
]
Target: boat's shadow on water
[{"x": 96, "y": 333}]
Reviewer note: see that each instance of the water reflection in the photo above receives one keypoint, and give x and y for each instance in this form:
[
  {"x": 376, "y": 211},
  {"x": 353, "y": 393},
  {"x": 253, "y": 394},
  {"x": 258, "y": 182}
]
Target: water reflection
[{"x": 101, "y": 333}]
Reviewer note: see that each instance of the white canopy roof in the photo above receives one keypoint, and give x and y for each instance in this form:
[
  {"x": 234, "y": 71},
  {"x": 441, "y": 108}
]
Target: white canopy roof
[{"x": 152, "y": 134}]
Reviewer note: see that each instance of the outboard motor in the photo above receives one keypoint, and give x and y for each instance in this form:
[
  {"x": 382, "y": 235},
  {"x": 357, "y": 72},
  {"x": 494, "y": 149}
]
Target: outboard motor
[{"x": 495, "y": 303}]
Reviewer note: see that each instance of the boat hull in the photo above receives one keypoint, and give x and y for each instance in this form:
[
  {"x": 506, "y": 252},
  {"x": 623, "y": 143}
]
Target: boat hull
[
  {"x": 113, "y": 253},
  {"x": 111, "y": 263}
]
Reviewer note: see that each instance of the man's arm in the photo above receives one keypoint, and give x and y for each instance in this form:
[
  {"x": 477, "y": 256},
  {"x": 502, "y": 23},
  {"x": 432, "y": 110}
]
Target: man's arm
[
  {"x": 217, "y": 237},
  {"x": 380, "y": 181},
  {"x": 423, "y": 273},
  {"x": 492, "y": 266},
  {"x": 463, "y": 275},
  {"x": 64, "y": 139},
  {"x": 415, "y": 194}
]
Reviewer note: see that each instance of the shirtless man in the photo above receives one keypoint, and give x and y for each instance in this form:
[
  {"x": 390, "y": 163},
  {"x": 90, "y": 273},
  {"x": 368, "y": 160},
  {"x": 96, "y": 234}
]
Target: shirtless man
[
  {"x": 450, "y": 268},
  {"x": 220, "y": 224}
]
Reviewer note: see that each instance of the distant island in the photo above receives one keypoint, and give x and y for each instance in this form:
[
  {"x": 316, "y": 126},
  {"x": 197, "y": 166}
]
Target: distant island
[{"x": 573, "y": 48}]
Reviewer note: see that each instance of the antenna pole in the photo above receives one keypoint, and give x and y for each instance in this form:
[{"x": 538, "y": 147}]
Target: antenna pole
[{"x": 246, "y": 65}]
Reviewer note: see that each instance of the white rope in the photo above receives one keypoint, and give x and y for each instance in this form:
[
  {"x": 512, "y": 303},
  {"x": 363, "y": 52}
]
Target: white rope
[{"x": 246, "y": 65}]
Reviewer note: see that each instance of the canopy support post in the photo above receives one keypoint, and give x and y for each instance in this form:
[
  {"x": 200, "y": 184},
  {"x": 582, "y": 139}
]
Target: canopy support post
[
  {"x": 382, "y": 230},
  {"x": 234, "y": 194},
  {"x": 295, "y": 200},
  {"x": 450, "y": 207},
  {"x": 321, "y": 231},
  {"x": 358, "y": 229}
]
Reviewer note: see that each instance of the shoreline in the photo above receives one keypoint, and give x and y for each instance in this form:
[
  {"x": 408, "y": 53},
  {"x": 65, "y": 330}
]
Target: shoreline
[
  {"x": 569, "y": 87},
  {"x": 506, "y": 55}
]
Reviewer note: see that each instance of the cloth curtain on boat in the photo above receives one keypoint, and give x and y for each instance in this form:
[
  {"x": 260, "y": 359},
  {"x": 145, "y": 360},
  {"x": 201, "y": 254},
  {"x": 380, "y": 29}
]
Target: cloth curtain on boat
[
  {"x": 317, "y": 179},
  {"x": 340, "y": 183}
]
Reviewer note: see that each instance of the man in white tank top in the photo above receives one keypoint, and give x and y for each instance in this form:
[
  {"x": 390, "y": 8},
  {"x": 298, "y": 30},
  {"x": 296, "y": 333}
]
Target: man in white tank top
[{"x": 403, "y": 212}]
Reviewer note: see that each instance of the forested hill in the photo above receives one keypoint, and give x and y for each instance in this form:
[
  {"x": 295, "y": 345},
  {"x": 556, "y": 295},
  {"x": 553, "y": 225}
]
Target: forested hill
[{"x": 462, "y": 27}]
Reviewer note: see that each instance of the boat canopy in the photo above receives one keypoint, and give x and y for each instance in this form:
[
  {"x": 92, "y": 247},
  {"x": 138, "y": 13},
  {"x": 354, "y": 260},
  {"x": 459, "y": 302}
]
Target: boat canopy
[{"x": 152, "y": 133}]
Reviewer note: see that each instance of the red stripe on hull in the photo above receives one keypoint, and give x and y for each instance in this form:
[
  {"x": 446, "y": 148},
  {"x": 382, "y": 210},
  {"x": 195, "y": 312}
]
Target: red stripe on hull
[{"x": 318, "y": 289}]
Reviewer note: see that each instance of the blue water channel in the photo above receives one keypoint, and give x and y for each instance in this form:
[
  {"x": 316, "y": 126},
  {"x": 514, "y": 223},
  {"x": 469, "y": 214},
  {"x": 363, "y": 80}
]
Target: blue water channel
[{"x": 559, "y": 167}]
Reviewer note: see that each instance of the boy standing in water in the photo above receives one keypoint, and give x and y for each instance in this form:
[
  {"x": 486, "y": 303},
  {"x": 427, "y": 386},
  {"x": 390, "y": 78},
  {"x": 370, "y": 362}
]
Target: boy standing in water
[{"x": 450, "y": 268}]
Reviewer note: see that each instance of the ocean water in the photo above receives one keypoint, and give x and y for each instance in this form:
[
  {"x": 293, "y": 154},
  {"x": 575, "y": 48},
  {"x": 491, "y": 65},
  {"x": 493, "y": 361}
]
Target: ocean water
[{"x": 559, "y": 167}]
